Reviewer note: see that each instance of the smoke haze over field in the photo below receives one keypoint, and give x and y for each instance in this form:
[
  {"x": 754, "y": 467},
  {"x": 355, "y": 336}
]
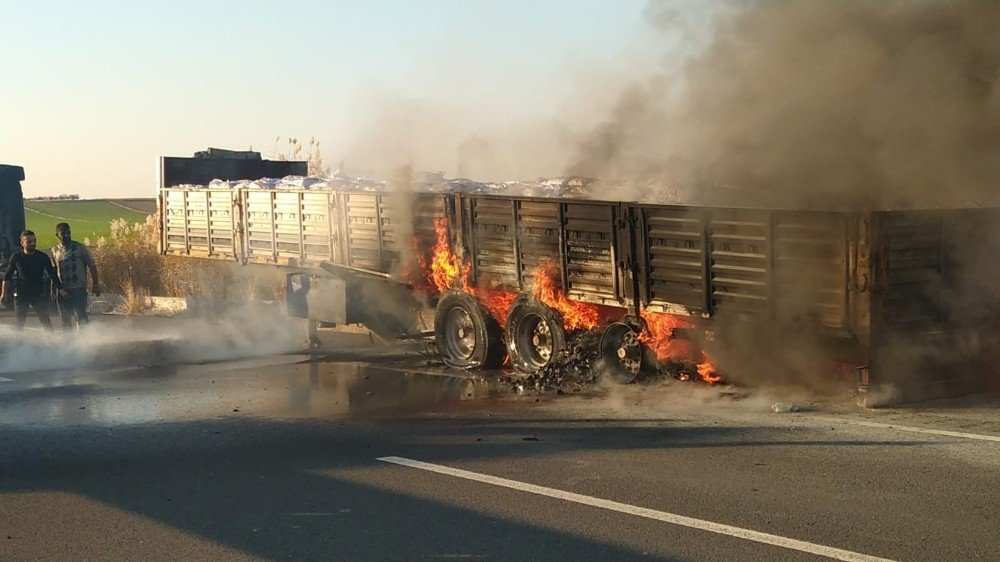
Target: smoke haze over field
[{"x": 817, "y": 103}]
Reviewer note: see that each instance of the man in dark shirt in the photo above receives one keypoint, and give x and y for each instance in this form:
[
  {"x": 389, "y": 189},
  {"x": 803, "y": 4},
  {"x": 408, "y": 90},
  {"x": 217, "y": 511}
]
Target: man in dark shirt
[{"x": 29, "y": 289}]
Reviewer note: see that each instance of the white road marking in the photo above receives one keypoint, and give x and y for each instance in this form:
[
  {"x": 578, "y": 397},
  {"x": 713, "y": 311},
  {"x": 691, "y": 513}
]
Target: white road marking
[
  {"x": 5, "y": 379},
  {"x": 747, "y": 534},
  {"x": 944, "y": 432}
]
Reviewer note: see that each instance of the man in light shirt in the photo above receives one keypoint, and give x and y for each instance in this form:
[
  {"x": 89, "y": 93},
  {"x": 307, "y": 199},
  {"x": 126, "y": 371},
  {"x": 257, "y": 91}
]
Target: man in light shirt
[{"x": 73, "y": 262}]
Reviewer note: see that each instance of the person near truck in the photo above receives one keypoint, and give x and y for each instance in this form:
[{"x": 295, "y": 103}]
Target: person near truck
[
  {"x": 72, "y": 263},
  {"x": 30, "y": 288}
]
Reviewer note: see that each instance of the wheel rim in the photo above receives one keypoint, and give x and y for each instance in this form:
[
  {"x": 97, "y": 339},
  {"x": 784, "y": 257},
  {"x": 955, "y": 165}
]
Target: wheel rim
[
  {"x": 622, "y": 350},
  {"x": 535, "y": 341},
  {"x": 460, "y": 334}
]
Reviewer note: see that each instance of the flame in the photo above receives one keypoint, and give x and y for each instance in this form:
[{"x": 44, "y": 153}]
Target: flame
[
  {"x": 416, "y": 273},
  {"x": 497, "y": 302},
  {"x": 576, "y": 315},
  {"x": 706, "y": 370},
  {"x": 446, "y": 272},
  {"x": 658, "y": 336},
  {"x": 445, "y": 268}
]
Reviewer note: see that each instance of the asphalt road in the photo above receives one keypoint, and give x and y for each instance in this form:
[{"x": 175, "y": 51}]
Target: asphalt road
[{"x": 278, "y": 458}]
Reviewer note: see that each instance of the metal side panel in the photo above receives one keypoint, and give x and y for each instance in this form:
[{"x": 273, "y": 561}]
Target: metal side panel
[
  {"x": 427, "y": 209},
  {"x": 971, "y": 248},
  {"x": 287, "y": 214},
  {"x": 221, "y": 224},
  {"x": 363, "y": 241},
  {"x": 394, "y": 231},
  {"x": 198, "y": 222},
  {"x": 811, "y": 268},
  {"x": 590, "y": 253},
  {"x": 673, "y": 258},
  {"x": 260, "y": 225},
  {"x": 740, "y": 261},
  {"x": 406, "y": 225},
  {"x": 538, "y": 238},
  {"x": 914, "y": 264},
  {"x": 491, "y": 239},
  {"x": 318, "y": 234},
  {"x": 174, "y": 221}
]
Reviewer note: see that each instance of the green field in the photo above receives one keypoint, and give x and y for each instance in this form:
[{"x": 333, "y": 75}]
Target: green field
[{"x": 87, "y": 218}]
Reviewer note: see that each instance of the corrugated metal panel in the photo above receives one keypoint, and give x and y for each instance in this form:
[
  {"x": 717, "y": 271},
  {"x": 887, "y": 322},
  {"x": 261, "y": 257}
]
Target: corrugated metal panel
[
  {"x": 426, "y": 210},
  {"x": 320, "y": 227},
  {"x": 740, "y": 253},
  {"x": 913, "y": 268},
  {"x": 364, "y": 243},
  {"x": 674, "y": 256},
  {"x": 289, "y": 227},
  {"x": 971, "y": 246},
  {"x": 590, "y": 258},
  {"x": 407, "y": 225},
  {"x": 396, "y": 235},
  {"x": 174, "y": 221},
  {"x": 492, "y": 231},
  {"x": 538, "y": 237},
  {"x": 258, "y": 211},
  {"x": 810, "y": 267},
  {"x": 199, "y": 222}
]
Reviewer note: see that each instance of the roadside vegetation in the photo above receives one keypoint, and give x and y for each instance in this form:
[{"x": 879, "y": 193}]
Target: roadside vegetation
[{"x": 130, "y": 265}]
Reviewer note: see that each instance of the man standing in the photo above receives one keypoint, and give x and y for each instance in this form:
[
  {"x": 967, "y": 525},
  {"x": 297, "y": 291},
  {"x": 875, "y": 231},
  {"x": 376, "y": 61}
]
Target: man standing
[
  {"x": 29, "y": 290},
  {"x": 73, "y": 260}
]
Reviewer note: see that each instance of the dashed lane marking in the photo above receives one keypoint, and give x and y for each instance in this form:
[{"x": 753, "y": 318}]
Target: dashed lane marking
[
  {"x": 710, "y": 526},
  {"x": 911, "y": 429}
]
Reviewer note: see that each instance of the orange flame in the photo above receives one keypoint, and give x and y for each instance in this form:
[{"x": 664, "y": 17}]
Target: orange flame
[
  {"x": 416, "y": 273},
  {"x": 706, "y": 370},
  {"x": 497, "y": 302},
  {"x": 576, "y": 315},
  {"x": 658, "y": 336},
  {"x": 445, "y": 268},
  {"x": 447, "y": 272}
]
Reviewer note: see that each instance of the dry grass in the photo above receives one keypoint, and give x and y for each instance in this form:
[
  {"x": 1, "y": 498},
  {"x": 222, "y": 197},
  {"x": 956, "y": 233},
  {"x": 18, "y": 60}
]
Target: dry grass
[
  {"x": 130, "y": 265},
  {"x": 136, "y": 299}
]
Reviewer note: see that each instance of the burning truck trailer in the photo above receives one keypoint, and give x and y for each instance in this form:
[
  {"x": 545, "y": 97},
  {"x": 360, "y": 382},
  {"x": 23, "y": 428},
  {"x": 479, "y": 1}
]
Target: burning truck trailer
[{"x": 896, "y": 302}]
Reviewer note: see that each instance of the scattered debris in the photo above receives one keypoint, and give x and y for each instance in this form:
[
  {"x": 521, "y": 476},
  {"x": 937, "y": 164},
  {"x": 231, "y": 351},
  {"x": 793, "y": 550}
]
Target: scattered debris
[
  {"x": 571, "y": 368},
  {"x": 580, "y": 365},
  {"x": 784, "y": 407}
]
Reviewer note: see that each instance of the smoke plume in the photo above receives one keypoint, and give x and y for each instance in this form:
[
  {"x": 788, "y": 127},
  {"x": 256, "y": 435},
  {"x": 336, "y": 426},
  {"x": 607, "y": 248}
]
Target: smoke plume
[{"x": 815, "y": 104}]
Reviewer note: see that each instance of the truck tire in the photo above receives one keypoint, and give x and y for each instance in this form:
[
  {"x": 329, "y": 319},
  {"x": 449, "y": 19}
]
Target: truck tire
[
  {"x": 535, "y": 335},
  {"x": 467, "y": 336},
  {"x": 621, "y": 356}
]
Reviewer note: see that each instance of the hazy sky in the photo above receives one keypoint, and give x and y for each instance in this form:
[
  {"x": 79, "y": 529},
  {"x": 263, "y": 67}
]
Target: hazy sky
[{"x": 93, "y": 92}]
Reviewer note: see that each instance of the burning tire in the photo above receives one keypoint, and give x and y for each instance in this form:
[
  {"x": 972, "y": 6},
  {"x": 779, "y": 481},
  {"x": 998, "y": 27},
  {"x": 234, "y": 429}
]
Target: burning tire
[
  {"x": 621, "y": 353},
  {"x": 535, "y": 335},
  {"x": 466, "y": 335}
]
